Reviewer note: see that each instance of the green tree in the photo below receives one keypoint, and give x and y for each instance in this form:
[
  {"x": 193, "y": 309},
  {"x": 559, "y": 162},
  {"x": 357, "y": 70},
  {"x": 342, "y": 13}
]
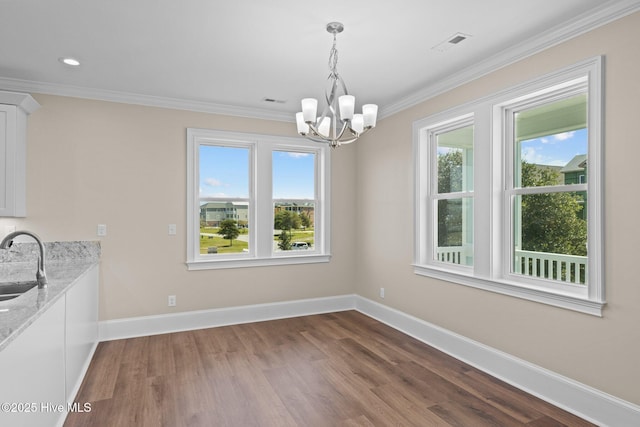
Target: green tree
[
  {"x": 305, "y": 220},
  {"x": 229, "y": 230},
  {"x": 450, "y": 211},
  {"x": 450, "y": 171},
  {"x": 551, "y": 221},
  {"x": 286, "y": 221},
  {"x": 285, "y": 241}
]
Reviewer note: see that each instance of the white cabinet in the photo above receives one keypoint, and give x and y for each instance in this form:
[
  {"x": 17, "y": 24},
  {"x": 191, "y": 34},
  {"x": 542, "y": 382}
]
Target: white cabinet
[
  {"x": 14, "y": 109},
  {"x": 82, "y": 329},
  {"x": 32, "y": 372},
  {"x": 42, "y": 368}
]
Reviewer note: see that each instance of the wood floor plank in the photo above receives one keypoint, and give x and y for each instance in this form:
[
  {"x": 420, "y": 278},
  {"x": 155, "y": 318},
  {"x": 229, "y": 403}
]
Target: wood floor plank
[
  {"x": 336, "y": 369},
  {"x": 100, "y": 380}
]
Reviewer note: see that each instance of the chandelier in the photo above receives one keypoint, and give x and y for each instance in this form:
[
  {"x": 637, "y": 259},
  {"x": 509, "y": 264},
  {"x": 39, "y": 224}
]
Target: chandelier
[{"x": 331, "y": 127}]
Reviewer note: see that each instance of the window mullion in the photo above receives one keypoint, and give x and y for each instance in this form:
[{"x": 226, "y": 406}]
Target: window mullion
[
  {"x": 263, "y": 212},
  {"x": 485, "y": 173}
]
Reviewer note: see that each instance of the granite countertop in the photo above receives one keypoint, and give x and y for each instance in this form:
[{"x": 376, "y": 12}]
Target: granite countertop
[{"x": 66, "y": 262}]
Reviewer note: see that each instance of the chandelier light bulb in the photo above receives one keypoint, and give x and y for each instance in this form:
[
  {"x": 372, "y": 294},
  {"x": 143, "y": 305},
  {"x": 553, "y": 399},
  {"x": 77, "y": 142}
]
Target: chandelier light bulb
[
  {"x": 370, "y": 113},
  {"x": 357, "y": 124},
  {"x": 303, "y": 128},
  {"x": 309, "y": 109},
  {"x": 347, "y": 105},
  {"x": 324, "y": 127}
]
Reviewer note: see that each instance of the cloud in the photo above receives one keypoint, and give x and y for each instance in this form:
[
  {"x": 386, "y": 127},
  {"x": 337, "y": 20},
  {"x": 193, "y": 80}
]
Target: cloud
[
  {"x": 530, "y": 155},
  {"x": 298, "y": 155},
  {"x": 564, "y": 135},
  {"x": 204, "y": 193},
  {"x": 212, "y": 182}
]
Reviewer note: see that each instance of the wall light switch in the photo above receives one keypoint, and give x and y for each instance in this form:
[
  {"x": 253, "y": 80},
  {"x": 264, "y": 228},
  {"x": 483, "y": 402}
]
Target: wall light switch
[
  {"x": 172, "y": 229},
  {"x": 102, "y": 230}
]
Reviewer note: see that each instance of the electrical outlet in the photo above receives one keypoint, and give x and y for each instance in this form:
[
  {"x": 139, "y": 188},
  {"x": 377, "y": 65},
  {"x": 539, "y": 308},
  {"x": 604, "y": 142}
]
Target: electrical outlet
[
  {"x": 102, "y": 230},
  {"x": 172, "y": 229},
  {"x": 172, "y": 300},
  {"x": 381, "y": 292}
]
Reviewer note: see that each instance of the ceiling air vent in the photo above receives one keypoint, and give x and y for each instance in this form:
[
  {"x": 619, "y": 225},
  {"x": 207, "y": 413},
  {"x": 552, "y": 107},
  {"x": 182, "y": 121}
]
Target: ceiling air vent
[
  {"x": 450, "y": 42},
  {"x": 273, "y": 100}
]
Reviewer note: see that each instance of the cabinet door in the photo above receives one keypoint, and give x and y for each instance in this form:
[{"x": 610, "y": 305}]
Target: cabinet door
[
  {"x": 8, "y": 138},
  {"x": 82, "y": 329},
  {"x": 32, "y": 373}
]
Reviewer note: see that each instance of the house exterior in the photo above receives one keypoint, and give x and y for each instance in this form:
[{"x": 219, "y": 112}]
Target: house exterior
[
  {"x": 213, "y": 213},
  {"x": 303, "y": 208},
  {"x": 575, "y": 172}
]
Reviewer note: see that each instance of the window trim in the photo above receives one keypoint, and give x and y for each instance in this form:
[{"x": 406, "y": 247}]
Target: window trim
[
  {"x": 431, "y": 195},
  {"x": 490, "y": 186},
  {"x": 260, "y": 198}
]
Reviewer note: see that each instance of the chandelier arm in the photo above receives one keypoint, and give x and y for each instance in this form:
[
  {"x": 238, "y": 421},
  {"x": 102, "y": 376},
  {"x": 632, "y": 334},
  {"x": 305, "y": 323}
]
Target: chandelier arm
[
  {"x": 345, "y": 125},
  {"x": 330, "y": 97},
  {"x": 342, "y": 83}
]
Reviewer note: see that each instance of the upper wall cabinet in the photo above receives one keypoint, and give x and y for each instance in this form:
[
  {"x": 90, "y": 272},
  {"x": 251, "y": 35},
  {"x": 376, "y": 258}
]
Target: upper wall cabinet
[{"x": 14, "y": 109}]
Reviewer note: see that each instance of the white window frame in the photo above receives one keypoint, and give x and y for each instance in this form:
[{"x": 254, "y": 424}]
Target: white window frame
[
  {"x": 429, "y": 196},
  {"x": 260, "y": 200},
  {"x": 492, "y": 217}
]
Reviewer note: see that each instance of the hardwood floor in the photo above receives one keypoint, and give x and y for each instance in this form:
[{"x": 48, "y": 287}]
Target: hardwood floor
[{"x": 339, "y": 369}]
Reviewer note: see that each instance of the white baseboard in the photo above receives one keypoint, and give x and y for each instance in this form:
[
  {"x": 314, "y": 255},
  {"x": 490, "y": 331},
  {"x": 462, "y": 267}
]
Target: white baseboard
[
  {"x": 584, "y": 401},
  {"x": 186, "y": 321},
  {"x": 580, "y": 399}
]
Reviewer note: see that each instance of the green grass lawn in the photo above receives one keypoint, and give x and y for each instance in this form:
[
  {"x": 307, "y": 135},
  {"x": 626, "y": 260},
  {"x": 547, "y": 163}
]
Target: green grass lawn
[
  {"x": 300, "y": 236},
  {"x": 224, "y": 246}
]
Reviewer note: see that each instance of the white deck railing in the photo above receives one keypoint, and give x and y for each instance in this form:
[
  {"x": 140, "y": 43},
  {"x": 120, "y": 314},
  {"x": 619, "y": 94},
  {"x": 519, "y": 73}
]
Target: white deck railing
[
  {"x": 564, "y": 268},
  {"x": 452, "y": 254}
]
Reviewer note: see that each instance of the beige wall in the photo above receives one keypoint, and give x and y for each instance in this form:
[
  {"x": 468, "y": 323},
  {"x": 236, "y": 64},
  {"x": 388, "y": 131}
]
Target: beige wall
[
  {"x": 601, "y": 352},
  {"x": 92, "y": 162}
]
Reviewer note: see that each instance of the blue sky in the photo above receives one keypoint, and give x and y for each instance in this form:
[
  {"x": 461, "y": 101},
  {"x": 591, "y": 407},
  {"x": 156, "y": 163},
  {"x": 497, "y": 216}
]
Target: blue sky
[
  {"x": 224, "y": 172},
  {"x": 555, "y": 150},
  {"x": 293, "y": 175}
]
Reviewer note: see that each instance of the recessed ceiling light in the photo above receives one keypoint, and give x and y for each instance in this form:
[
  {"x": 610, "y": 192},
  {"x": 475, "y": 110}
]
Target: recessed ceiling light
[{"x": 72, "y": 62}]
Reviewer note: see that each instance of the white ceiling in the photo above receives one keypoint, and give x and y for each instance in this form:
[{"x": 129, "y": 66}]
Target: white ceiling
[{"x": 227, "y": 56}]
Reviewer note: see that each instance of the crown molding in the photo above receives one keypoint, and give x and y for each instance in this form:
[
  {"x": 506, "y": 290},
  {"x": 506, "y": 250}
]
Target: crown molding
[
  {"x": 581, "y": 24},
  {"x": 139, "y": 99}
]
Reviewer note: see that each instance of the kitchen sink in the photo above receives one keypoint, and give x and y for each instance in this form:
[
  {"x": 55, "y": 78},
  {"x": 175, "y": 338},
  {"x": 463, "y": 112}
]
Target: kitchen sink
[{"x": 10, "y": 290}]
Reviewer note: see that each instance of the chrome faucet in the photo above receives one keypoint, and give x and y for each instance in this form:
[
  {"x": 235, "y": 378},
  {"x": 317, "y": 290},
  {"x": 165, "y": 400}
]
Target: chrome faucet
[{"x": 41, "y": 275}]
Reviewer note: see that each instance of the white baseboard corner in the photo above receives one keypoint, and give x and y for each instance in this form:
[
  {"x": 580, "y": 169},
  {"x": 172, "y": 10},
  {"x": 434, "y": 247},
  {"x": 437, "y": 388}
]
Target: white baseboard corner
[
  {"x": 586, "y": 402},
  {"x": 572, "y": 396},
  {"x": 191, "y": 320}
]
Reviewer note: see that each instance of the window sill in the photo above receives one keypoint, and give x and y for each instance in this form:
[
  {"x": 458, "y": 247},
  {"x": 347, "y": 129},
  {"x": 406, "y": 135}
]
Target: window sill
[
  {"x": 256, "y": 262},
  {"x": 569, "y": 302}
]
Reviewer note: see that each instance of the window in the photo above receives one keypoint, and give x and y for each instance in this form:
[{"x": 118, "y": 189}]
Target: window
[
  {"x": 450, "y": 202},
  {"x": 521, "y": 216},
  {"x": 255, "y": 200},
  {"x": 294, "y": 200}
]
